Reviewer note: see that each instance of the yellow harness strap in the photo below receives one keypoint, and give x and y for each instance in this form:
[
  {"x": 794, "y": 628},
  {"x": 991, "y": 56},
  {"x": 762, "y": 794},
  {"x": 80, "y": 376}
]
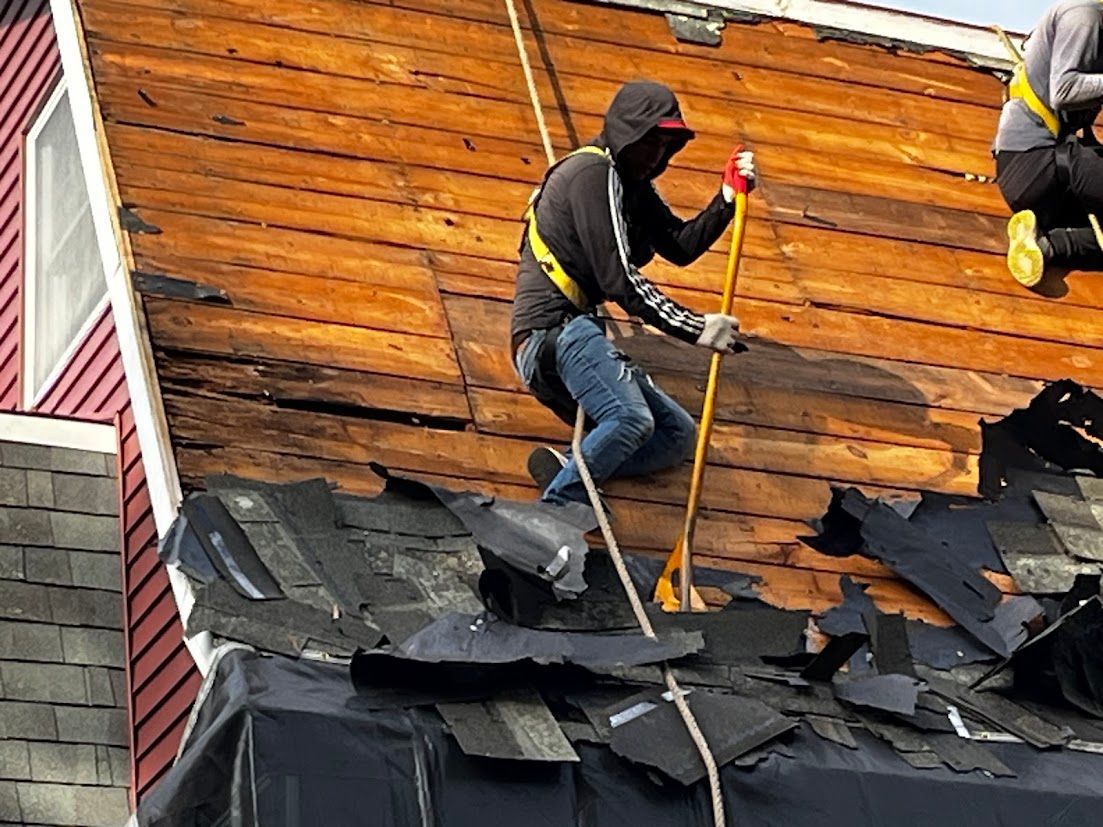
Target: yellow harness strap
[
  {"x": 1020, "y": 89},
  {"x": 544, "y": 256}
]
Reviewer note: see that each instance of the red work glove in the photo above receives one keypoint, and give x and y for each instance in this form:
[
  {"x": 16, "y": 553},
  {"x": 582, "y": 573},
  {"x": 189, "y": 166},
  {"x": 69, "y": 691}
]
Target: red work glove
[{"x": 739, "y": 173}]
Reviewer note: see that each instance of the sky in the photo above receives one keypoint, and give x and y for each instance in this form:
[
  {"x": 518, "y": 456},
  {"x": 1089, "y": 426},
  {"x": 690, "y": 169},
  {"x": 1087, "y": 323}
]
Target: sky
[{"x": 1015, "y": 15}]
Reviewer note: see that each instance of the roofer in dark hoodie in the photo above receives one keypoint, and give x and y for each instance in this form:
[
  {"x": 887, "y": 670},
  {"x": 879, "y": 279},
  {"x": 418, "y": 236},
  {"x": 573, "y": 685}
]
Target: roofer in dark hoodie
[
  {"x": 595, "y": 221},
  {"x": 1050, "y": 176}
]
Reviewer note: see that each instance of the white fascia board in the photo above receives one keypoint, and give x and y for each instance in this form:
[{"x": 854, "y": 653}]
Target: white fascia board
[
  {"x": 976, "y": 41},
  {"x": 137, "y": 356},
  {"x": 979, "y": 44},
  {"x": 53, "y": 432}
]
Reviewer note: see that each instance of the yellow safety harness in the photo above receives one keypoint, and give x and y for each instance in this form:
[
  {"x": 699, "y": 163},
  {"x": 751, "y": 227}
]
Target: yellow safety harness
[
  {"x": 1020, "y": 89},
  {"x": 544, "y": 256}
]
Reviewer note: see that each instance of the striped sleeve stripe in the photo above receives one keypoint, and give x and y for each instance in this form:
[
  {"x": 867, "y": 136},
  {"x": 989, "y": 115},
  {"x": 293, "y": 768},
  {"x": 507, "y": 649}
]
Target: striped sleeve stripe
[{"x": 668, "y": 310}]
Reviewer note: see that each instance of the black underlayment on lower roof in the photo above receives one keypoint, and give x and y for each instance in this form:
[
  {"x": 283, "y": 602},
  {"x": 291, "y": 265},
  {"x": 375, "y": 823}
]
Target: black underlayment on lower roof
[{"x": 488, "y": 654}]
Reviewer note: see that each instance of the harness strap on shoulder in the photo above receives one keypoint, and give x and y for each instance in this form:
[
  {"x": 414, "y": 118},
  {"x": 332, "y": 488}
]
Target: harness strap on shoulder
[
  {"x": 1020, "y": 89},
  {"x": 543, "y": 254}
]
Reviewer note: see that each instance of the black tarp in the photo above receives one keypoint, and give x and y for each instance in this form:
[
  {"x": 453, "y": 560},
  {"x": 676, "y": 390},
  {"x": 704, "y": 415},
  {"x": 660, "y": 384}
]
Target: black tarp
[{"x": 284, "y": 742}]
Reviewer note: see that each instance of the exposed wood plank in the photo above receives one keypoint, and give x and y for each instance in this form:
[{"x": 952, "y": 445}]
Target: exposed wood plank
[
  {"x": 335, "y": 166},
  {"x": 293, "y": 383},
  {"x": 881, "y": 216},
  {"x": 194, "y": 112},
  {"x": 421, "y": 176},
  {"x": 126, "y": 67},
  {"x": 791, "y": 200},
  {"x": 740, "y": 401},
  {"x": 327, "y": 214},
  {"x": 896, "y": 298},
  {"x": 245, "y": 424},
  {"x": 486, "y": 362},
  {"x": 319, "y": 299},
  {"x": 767, "y": 45},
  {"x": 192, "y": 239},
  {"x": 804, "y": 254},
  {"x": 477, "y": 236},
  {"x": 450, "y": 62},
  {"x": 215, "y": 329}
]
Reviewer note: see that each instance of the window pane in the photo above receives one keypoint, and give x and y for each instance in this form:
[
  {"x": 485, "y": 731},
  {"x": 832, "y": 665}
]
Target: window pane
[{"x": 67, "y": 271}]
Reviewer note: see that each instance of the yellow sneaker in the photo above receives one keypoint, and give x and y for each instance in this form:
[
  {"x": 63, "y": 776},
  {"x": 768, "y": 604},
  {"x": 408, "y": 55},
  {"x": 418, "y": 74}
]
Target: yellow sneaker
[{"x": 1024, "y": 256}]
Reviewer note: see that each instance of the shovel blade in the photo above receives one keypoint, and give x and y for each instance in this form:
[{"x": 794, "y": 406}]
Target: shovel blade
[{"x": 666, "y": 590}]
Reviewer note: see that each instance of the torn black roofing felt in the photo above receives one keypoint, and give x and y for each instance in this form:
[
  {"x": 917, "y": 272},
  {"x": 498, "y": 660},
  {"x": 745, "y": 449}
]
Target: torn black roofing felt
[
  {"x": 889, "y": 693},
  {"x": 855, "y": 522},
  {"x": 445, "y": 600},
  {"x": 1046, "y": 435},
  {"x": 229, "y": 549},
  {"x": 741, "y": 636},
  {"x": 535, "y": 538},
  {"x": 460, "y": 638}
]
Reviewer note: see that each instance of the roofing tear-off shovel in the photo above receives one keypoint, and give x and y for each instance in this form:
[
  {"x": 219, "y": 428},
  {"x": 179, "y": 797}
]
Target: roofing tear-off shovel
[{"x": 681, "y": 558}]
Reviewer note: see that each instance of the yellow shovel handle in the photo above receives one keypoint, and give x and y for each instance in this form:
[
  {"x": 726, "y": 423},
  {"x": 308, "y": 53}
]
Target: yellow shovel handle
[{"x": 704, "y": 433}]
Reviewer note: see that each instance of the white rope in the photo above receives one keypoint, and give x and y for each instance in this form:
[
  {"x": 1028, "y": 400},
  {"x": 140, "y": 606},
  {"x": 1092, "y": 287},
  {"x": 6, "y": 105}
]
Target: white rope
[
  {"x": 645, "y": 624},
  {"x": 534, "y": 96},
  {"x": 595, "y": 499}
]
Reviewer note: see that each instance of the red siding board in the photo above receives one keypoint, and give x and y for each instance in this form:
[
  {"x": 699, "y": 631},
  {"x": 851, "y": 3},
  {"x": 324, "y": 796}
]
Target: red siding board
[
  {"x": 159, "y": 634},
  {"x": 45, "y": 70},
  {"x": 160, "y": 724},
  {"x": 146, "y": 529},
  {"x": 116, "y": 398},
  {"x": 132, "y": 459},
  {"x": 147, "y": 596},
  {"x": 151, "y": 629},
  {"x": 141, "y": 570},
  {"x": 28, "y": 54},
  {"x": 8, "y": 318},
  {"x": 10, "y": 14},
  {"x": 161, "y": 677},
  {"x": 156, "y": 612},
  {"x": 80, "y": 390},
  {"x": 158, "y": 761},
  {"x": 160, "y": 691},
  {"x": 9, "y": 385},
  {"x": 136, "y": 508}
]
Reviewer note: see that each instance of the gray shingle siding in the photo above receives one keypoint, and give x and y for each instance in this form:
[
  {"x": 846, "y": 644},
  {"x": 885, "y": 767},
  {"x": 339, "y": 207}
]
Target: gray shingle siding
[{"x": 63, "y": 723}]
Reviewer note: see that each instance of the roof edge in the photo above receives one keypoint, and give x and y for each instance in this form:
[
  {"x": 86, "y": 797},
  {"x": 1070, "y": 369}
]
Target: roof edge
[
  {"x": 162, "y": 478},
  {"x": 976, "y": 44}
]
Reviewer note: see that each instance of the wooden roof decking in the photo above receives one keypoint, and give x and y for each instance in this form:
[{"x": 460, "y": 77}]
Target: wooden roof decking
[{"x": 351, "y": 174}]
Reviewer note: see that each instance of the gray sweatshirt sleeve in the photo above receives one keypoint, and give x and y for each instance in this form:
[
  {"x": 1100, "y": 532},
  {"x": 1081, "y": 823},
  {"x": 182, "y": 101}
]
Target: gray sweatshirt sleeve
[{"x": 1074, "y": 82}]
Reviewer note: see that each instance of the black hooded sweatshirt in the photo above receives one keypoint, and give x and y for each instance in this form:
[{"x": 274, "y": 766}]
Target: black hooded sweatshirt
[{"x": 603, "y": 228}]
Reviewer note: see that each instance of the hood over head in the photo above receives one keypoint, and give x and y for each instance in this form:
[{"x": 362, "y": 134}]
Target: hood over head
[{"x": 639, "y": 107}]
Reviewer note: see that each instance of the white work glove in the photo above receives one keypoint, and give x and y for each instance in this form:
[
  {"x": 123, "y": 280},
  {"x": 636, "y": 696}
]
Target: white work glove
[
  {"x": 720, "y": 332},
  {"x": 739, "y": 174}
]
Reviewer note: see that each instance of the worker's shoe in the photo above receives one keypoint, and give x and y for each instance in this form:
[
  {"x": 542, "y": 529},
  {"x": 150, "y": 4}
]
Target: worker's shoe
[
  {"x": 1026, "y": 258},
  {"x": 544, "y": 464}
]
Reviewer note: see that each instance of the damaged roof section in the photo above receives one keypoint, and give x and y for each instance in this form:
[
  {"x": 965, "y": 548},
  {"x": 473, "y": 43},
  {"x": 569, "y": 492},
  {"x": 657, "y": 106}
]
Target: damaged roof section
[{"x": 497, "y": 624}]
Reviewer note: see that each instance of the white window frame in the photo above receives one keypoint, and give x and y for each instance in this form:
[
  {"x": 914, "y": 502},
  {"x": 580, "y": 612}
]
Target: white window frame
[{"x": 33, "y": 396}]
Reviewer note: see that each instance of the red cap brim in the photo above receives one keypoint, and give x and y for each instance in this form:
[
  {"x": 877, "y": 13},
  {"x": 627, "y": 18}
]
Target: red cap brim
[{"x": 676, "y": 125}]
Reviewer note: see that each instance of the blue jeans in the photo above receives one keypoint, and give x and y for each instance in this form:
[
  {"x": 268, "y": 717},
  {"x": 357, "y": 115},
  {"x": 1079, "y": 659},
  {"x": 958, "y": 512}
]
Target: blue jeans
[{"x": 639, "y": 429}]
